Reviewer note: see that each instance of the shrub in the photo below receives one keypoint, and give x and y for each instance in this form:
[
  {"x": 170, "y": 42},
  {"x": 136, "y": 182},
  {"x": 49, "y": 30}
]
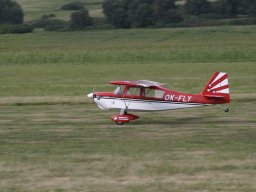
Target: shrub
[
  {"x": 55, "y": 25},
  {"x": 80, "y": 20},
  {"x": 72, "y": 6},
  {"x": 50, "y": 24},
  {"x": 21, "y": 28}
]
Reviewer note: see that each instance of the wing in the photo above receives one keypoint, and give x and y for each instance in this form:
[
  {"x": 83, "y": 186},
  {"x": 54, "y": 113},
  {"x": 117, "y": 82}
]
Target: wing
[{"x": 138, "y": 83}]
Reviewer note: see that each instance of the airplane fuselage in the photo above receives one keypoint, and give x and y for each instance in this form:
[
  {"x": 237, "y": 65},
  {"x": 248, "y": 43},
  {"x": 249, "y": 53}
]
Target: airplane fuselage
[
  {"x": 169, "y": 100},
  {"x": 145, "y": 95}
]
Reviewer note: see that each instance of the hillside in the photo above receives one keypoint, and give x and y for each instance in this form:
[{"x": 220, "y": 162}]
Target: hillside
[{"x": 34, "y": 9}]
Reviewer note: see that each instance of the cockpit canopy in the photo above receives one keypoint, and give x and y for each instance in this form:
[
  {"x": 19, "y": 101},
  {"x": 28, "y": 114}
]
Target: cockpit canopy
[{"x": 138, "y": 92}]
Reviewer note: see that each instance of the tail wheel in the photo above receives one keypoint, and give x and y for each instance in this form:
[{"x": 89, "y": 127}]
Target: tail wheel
[{"x": 226, "y": 110}]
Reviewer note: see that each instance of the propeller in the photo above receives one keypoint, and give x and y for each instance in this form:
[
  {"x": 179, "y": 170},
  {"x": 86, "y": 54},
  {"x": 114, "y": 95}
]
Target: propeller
[{"x": 92, "y": 94}]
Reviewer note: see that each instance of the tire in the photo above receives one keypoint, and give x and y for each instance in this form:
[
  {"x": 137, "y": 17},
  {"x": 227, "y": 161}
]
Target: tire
[{"x": 119, "y": 123}]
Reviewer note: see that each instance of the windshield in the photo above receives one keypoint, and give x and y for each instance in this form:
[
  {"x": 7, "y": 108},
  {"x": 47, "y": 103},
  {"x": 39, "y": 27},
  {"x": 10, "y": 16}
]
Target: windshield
[{"x": 119, "y": 90}]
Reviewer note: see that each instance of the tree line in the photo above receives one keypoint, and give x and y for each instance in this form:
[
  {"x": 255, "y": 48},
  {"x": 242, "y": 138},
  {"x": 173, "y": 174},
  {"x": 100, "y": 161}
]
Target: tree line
[
  {"x": 11, "y": 18},
  {"x": 140, "y": 13},
  {"x": 143, "y": 13},
  {"x": 130, "y": 13}
]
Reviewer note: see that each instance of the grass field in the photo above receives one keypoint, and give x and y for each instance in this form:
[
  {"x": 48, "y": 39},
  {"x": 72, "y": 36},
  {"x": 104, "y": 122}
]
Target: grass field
[
  {"x": 50, "y": 63},
  {"x": 52, "y": 138}
]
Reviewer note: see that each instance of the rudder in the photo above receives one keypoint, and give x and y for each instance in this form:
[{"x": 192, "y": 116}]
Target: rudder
[{"x": 217, "y": 86}]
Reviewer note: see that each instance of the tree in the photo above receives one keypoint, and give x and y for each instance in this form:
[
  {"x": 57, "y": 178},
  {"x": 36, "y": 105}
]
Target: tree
[
  {"x": 10, "y": 12},
  {"x": 162, "y": 6},
  {"x": 116, "y": 12},
  {"x": 228, "y": 8},
  {"x": 252, "y": 9},
  {"x": 197, "y": 7},
  {"x": 247, "y": 7},
  {"x": 172, "y": 16},
  {"x": 72, "y": 6},
  {"x": 120, "y": 18},
  {"x": 109, "y": 7},
  {"x": 140, "y": 13},
  {"x": 80, "y": 20},
  {"x": 143, "y": 16},
  {"x": 166, "y": 12},
  {"x": 233, "y": 7}
]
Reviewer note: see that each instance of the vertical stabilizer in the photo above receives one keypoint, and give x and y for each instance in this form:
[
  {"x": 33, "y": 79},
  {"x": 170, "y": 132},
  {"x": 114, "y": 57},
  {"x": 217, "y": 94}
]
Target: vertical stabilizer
[{"x": 217, "y": 86}]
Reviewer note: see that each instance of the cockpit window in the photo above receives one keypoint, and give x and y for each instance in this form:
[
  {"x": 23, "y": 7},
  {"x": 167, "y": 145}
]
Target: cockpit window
[
  {"x": 134, "y": 91},
  {"x": 154, "y": 93},
  {"x": 119, "y": 90}
]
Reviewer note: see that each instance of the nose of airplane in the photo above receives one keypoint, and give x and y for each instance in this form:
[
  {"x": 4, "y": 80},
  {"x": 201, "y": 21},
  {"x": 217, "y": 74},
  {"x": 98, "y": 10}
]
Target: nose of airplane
[{"x": 90, "y": 95}]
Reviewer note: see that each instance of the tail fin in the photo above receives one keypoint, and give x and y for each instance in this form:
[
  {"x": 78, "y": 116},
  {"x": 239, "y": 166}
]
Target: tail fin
[{"x": 217, "y": 87}]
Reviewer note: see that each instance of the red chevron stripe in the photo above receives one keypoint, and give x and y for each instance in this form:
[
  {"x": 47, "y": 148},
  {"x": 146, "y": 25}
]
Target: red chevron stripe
[
  {"x": 220, "y": 88},
  {"x": 219, "y": 80},
  {"x": 213, "y": 77}
]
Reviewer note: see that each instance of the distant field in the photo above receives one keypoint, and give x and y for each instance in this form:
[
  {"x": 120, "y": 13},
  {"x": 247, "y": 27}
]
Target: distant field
[
  {"x": 52, "y": 138},
  {"x": 50, "y": 63},
  {"x": 34, "y": 9}
]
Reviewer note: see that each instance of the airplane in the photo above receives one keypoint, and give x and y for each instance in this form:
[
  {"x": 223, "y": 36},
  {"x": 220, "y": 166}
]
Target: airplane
[{"x": 145, "y": 95}]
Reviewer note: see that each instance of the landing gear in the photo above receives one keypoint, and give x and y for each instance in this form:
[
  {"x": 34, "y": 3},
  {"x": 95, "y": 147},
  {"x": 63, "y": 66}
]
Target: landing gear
[
  {"x": 122, "y": 112},
  {"x": 226, "y": 110},
  {"x": 120, "y": 119},
  {"x": 119, "y": 123}
]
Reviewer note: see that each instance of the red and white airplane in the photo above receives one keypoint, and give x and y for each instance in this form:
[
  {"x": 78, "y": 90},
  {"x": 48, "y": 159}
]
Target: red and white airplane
[{"x": 144, "y": 95}]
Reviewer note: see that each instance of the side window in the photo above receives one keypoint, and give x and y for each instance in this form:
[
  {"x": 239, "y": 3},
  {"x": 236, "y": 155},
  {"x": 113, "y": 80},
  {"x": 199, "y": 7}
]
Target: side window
[
  {"x": 154, "y": 93},
  {"x": 133, "y": 91},
  {"x": 149, "y": 92},
  {"x": 159, "y": 94}
]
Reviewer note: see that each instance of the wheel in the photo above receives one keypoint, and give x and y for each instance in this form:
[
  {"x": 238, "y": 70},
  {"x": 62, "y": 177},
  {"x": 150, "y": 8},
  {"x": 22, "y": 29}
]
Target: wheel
[
  {"x": 226, "y": 110},
  {"x": 119, "y": 123}
]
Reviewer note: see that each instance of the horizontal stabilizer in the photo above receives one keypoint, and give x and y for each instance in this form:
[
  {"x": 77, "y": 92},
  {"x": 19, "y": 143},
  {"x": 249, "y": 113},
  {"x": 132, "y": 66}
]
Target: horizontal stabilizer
[{"x": 217, "y": 96}]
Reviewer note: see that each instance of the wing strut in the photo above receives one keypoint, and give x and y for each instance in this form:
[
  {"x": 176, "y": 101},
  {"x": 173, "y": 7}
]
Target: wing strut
[{"x": 124, "y": 111}]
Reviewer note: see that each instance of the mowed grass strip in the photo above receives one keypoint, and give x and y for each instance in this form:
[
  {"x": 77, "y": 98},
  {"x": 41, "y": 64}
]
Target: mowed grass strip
[
  {"x": 77, "y": 80},
  {"x": 77, "y": 148}
]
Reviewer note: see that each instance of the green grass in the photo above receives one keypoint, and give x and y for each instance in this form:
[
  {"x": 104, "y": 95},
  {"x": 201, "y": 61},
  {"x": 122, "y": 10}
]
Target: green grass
[
  {"x": 52, "y": 138},
  {"x": 212, "y": 44},
  {"x": 77, "y": 79},
  {"x": 76, "y": 148},
  {"x": 49, "y": 63}
]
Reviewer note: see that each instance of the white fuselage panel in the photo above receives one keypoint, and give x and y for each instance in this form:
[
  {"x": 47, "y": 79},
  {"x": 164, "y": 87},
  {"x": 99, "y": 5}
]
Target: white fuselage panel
[{"x": 140, "y": 104}]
